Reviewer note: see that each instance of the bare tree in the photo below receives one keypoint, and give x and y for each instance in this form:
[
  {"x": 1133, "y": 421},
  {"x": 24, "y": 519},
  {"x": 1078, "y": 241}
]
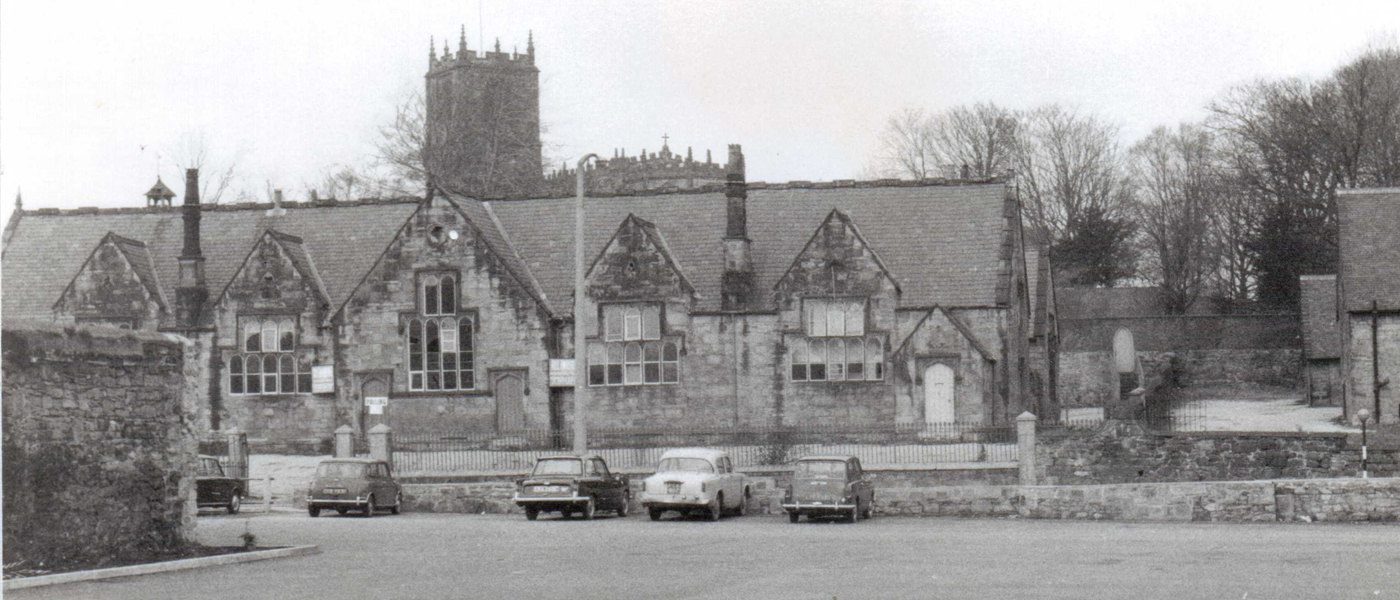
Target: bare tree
[
  {"x": 1066, "y": 163},
  {"x": 218, "y": 173},
  {"x": 907, "y": 148},
  {"x": 1176, "y": 179},
  {"x": 980, "y": 139},
  {"x": 485, "y": 145}
]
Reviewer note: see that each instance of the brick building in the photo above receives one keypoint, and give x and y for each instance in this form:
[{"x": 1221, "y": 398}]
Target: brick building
[
  {"x": 751, "y": 305},
  {"x": 1368, "y": 301},
  {"x": 1322, "y": 339}
]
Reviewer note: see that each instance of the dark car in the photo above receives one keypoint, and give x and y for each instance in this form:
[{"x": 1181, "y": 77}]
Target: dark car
[
  {"x": 572, "y": 484},
  {"x": 213, "y": 489},
  {"x": 829, "y": 486},
  {"x": 346, "y": 484}
]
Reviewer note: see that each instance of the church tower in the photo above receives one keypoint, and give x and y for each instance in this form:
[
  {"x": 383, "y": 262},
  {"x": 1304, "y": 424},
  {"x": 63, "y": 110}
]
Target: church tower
[{"x": 483, "y": 120}]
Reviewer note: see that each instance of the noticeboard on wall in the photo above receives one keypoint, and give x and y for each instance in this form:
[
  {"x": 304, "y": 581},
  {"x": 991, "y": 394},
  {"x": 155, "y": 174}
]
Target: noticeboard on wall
[
  {"x": 561, "y": 372},
  {"x": 322, "y": 379}
]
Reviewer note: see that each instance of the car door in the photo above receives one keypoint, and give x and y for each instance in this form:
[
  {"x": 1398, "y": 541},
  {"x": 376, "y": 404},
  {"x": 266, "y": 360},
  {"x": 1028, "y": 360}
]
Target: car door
[
  {"x": 732, "y": 491},
  {"x": 383, "y": 496},
  {"x": 612, "y": 487},
  {"x": 864, "y": 490}
]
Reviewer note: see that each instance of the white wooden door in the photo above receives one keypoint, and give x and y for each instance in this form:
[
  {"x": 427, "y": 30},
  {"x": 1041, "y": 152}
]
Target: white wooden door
[{"x": 938, "y": 394}]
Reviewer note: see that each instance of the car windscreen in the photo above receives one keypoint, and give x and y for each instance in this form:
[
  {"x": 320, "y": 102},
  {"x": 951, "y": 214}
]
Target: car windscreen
[
  {"x": 697, "y": 465},
  {"x": 820, "y": 468},
  {"x": 559, "y": 466},
  {"x": 333, "y": 469}
]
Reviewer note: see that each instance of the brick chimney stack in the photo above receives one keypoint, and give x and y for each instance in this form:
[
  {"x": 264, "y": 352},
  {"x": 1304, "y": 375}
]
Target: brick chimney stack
[
  {"x": 191, "y": 292},
  {"x": 737, "y": 285}
]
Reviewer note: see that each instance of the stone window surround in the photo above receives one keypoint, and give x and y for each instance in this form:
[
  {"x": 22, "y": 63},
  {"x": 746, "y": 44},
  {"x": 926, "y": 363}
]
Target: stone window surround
[
  {"x": 465, "y": 360},
  {"x": 631, "y": 321},
  {"x": 844, "y": 316},
  {"x": 261, "y": 362},
  {"x": 655, "y": 362},
  {"x": 873, "y": 371}
]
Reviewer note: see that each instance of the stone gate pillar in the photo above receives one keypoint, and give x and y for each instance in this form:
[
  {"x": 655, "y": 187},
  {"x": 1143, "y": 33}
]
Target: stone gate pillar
[
  {"x": 237, "y": 453},
  {"x": 381, "y": 444},
  {"x": 345, "y": 442},
  {"x": 1025, "y": 447}
]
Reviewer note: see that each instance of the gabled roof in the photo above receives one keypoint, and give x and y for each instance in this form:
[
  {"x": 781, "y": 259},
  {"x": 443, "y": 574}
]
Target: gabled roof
[
  {"x": 654, "y": 236},
  {"x": 940, "y": 242},
  {"x": 296, "y": 251},
  {"x": 957, "y": 324},
  {"x": 347, "y": 238},
  {"x": 1369, "y": 237},
  {"x": 847, "y": 222},
  {"x": 136, "y": 255}
]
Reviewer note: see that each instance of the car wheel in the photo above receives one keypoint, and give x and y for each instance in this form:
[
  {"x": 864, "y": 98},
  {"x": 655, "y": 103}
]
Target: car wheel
[
  {"x": 369, "y": 508},
  {"x": 234, "y": 504},
  {"x": 793, "y": 517},
  {"x": 398, "y": 502},
  {"x": 588, "y": 508},
  {"x": 655, "y": 513},
  {"x": 626, "y": 504},
  {"x": 716, "y": 508},
  {"x": 342, "y": 511},
  {"x": 314, "y": 511}
]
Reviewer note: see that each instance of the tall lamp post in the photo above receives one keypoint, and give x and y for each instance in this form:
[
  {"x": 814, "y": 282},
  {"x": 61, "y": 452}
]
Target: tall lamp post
[
  {"x": 580, "y": 367},
  {"x": 1363, "y": 415}
]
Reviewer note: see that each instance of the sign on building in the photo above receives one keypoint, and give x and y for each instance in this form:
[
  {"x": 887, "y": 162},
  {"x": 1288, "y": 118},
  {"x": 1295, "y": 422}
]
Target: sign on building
[
  {"x": 376, "y": 404},
  {"x": 322, "y": 379},
  {"x": 561, "y": 372}
]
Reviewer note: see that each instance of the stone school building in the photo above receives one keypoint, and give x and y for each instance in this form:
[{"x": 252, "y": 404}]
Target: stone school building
[{"x": 743, "y": 305}]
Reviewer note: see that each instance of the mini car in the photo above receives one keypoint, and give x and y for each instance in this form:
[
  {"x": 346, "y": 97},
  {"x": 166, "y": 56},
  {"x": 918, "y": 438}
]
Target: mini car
[
  {"x": 346, "y": 484},
  {"x": 695, "y": 481},
  {"x": 572, "y": 484},
  {"x": 214, "y": 489},
  {"x": 829, "y": 486}
]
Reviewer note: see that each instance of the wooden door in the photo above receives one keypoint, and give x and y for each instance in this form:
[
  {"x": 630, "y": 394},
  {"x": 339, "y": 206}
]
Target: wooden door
[
  {"x": 938, "y": 394},
  {"x": 509, "y": 392}
]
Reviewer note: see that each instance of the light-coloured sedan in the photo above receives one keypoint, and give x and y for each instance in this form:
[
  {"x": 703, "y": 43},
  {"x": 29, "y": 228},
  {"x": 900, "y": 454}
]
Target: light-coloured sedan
[{"x": 695, "y": 481}]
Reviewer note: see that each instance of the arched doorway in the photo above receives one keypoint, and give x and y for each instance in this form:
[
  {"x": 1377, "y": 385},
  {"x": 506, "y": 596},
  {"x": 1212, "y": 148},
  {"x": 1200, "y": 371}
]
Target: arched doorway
[
  {"x": 1124, "y": 352},
  {"x": 509, "y": 391},
  {"x": 938, "y": 394}
]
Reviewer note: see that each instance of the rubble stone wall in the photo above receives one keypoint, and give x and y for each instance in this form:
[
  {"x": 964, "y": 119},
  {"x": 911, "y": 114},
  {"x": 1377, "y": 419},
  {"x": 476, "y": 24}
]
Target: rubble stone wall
[{"x": 99, "y": 451}]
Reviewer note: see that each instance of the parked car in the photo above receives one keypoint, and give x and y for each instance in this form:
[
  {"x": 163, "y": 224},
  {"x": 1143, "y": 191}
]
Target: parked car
[
  {"x": 695, "y": 481},
  {"x": 346, "y": 484},
  {"x": 214, "y": 489},
  {"x": 572, "y": 484},
  {"x": 827, "y": 486}
]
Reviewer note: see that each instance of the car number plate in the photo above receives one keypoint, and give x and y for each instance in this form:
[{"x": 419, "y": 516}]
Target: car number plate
[
  {"x": 549, "y": 489},
  {"x": 673, "y": 488},
  {"x": 334, "y": 490}
]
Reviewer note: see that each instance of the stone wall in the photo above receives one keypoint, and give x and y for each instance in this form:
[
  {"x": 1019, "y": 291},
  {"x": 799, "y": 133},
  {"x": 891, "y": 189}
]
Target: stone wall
[
  {"x": 1315, "y": 500},
  {"x": 99, "y": 449},
  {"x": 1087, "y": 378},
  {"x": 1123, "y": 453},
  {"x": 493, "y": 494}
]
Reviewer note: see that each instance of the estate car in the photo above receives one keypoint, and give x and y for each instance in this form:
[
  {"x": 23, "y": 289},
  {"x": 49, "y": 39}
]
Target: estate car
[
  {"x": 829, "y": 486},
  {"x": 214, "y": 489},
  {"x": 572, "y": 484},
  {"x": 695, "y": 481},
  {"x": 346, "y": 484}
]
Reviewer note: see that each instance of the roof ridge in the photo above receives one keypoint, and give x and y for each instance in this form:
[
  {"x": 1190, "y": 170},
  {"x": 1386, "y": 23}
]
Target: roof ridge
[{"x": 228, "y": 207}]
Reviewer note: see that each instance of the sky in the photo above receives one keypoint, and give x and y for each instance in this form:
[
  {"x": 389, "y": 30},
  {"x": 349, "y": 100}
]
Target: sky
[{"x": 96, "y": 99}]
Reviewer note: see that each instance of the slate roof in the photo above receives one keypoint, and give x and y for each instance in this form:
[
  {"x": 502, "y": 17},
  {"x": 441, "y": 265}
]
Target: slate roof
[
  {"x": 941, "y": 242},
  {"x": 48, "y": 247},
  {"x": 933, "y": 238},
  {"x": 1369, "y": 236},
  {"x": 1322, "y": 333}
]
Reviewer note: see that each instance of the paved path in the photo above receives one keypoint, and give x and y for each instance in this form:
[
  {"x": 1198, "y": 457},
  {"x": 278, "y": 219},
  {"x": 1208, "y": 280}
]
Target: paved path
[{"x": 503, "y": 556}]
